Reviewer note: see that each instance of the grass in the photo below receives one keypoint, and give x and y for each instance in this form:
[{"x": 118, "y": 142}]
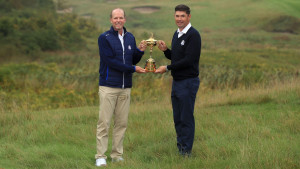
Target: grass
[
  {"x": 247, "y": 109},
  {"x": 257, "y": 128}
]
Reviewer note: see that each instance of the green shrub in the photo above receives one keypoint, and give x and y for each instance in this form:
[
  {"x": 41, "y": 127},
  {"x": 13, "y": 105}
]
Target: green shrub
[
  {"x": 70, "y": 36},
  {"x": 32, "y": 26},
  {"x": 48, "y": 39},
  {"x": 5, "y": 6},
  {"x": 29, "y": 43},
  {"x": 6, "y": 27}
]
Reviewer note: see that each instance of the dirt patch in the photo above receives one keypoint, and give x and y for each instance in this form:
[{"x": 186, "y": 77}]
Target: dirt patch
[
  {"x": 87, "y": 15},
  {"x": 67, "y": 10},
  {"x": 112, "y": 1},
  {"x": 284, "y": 24},
  {"x": 146, "y": 9}
]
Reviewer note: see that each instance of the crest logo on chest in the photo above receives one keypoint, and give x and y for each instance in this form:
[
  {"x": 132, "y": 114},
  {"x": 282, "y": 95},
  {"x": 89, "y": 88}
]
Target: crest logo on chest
[{"x": 182, "y": 42}]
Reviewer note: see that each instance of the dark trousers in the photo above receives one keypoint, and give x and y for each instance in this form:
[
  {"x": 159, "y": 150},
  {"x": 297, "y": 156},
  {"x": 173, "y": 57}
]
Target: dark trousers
[{"x": 183, "y": 101}]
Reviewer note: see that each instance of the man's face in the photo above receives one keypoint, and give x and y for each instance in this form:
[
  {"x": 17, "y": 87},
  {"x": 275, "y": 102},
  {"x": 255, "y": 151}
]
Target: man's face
[
  {"x": 182, "y": 19},
  {"x": 118, "y": 19}
]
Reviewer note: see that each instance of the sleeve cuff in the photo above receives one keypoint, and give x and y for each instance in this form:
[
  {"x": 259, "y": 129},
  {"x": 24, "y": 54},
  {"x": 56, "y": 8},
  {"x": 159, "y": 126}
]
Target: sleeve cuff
[
  {"x": 168, "y": 50},
  {"x": 139, "y": 50}
]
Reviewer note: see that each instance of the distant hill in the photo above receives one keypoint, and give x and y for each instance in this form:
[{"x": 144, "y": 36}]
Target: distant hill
[{"x": 207, "y": 15}]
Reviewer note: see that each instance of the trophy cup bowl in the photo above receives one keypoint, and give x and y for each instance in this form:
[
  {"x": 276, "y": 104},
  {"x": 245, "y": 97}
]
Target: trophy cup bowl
[{"x": 150, "y": 63}]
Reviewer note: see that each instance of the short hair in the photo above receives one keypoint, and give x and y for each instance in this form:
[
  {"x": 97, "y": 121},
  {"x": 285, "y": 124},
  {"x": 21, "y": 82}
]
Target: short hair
[
  {"x": 184, "y": 8},
  {"x": 116, "y": 9}
]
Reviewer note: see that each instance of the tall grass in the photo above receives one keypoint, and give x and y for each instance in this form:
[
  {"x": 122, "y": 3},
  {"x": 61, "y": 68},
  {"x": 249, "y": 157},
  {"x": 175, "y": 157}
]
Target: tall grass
[
  {"x": 255, "y": 128},
  {"x": 63, "y": 80}
]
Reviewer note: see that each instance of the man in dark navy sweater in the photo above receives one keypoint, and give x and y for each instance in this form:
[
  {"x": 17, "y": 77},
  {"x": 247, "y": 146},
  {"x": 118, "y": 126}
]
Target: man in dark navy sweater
[{"x": 184, "y": 56}]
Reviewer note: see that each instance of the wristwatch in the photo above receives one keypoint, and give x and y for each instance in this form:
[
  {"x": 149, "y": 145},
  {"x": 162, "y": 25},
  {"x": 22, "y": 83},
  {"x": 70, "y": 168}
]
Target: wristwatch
[{"x": 167, "y": 68}]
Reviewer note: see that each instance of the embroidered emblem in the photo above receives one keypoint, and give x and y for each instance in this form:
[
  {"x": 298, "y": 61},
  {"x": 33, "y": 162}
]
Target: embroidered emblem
[
  {"x": 182, "y": 42},
  {"x": 129, "y": 47}
]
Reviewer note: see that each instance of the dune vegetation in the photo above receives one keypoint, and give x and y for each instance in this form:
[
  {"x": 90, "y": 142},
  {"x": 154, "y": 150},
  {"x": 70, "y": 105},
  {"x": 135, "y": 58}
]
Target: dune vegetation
[{"x": 248, "y": 105}]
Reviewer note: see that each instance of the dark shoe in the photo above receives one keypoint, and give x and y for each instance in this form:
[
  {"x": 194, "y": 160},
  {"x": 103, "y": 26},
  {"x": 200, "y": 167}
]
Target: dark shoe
[{"x": 185, "y": 153}]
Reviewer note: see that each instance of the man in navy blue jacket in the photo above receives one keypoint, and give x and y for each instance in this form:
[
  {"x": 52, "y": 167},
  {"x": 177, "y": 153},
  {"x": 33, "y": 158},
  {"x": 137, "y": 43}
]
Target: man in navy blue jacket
[
  {"x": 118, "y": 56},
  {"x": 185, "y": 57}
]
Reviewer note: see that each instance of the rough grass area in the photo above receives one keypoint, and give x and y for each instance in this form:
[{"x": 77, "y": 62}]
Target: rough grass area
[
  {"x": 256, "y": 128},
  {"x": 247, "y": 109}
]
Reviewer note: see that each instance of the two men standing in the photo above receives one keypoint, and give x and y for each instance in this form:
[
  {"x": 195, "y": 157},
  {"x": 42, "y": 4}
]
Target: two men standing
[{"x": 118, "y": 54}]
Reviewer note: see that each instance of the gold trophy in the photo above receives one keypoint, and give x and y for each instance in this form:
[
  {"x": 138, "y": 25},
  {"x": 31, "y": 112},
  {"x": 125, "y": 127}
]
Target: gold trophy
[{"x": 150, "y": 63}]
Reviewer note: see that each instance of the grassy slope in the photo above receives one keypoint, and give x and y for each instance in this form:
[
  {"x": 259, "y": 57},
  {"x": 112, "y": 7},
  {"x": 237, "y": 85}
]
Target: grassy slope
[
  {"x": 214, "y": 15},
  {"x": 235, "y": 129},
  {"x": 233, "y": 29}
]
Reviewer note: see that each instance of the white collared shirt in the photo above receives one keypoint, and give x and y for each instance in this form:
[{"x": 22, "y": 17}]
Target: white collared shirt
[
  {"x": 121, "y": 39},
  {"x": 184, "y": 31}
]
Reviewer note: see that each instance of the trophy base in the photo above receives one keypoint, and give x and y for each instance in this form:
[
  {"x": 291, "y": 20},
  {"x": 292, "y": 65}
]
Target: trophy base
[
  {"x": 152, "y": 70},
  {"x": 150, "y": 65}
]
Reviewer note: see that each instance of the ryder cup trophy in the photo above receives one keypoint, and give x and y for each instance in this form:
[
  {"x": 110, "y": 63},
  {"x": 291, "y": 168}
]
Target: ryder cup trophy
[{"x": 150, "y": 63}]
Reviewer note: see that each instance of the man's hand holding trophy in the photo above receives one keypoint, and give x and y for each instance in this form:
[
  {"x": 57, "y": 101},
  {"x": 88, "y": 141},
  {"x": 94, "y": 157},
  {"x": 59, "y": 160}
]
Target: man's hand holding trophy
[{"x": 150, "y": 63}]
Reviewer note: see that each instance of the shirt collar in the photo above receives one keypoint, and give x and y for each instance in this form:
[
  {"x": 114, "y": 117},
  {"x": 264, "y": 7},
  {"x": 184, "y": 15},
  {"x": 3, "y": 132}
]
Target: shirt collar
[
  {"x": 184, "y": 31},
  {"x": 122, "y": 33}
]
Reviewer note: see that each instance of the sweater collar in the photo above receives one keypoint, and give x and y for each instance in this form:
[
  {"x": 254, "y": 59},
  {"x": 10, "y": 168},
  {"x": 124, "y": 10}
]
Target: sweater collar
[
  {"x": 116, "y": 32},
  {"x": 184, "y": 31}
]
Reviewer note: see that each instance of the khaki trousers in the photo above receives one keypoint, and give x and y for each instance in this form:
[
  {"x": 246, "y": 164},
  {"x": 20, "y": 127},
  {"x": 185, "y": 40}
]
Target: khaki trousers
[{"x": 113, "y": 102}]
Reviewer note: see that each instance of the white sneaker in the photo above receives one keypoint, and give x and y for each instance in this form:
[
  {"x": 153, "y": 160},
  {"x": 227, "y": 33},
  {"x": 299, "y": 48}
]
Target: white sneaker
[
  {"x": 120, "y": 159},
  {"x": 100, "y": 162}
]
